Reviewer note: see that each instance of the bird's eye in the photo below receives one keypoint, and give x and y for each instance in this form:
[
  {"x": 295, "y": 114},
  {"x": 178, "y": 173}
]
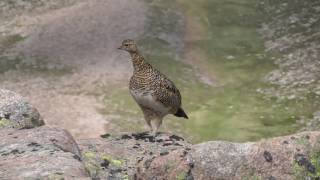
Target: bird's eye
[{"x": 126, "y": 45}]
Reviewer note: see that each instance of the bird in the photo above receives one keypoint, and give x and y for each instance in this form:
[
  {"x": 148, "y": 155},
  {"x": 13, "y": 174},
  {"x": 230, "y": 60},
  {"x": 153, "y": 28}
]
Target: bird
[{"x": 156, "y": 95}]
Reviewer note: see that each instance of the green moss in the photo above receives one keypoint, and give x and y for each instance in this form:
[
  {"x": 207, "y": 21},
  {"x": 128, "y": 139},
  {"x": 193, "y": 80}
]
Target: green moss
[
  {"x": 182, "y": 175},
  {"x": 114, "y": 162},
  {"x": 91, "y": 163},
  {"x": 89, "y": 155},
  {"x": 315, "y": 161},
  {"x": 5, "y": 123},
  {"x": 56, "y": 177},
  {"x": 301, "y": 172}
]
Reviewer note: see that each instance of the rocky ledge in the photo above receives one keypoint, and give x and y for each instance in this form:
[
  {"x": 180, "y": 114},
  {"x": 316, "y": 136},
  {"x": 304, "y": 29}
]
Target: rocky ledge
[{"x": 52, "y": 153}]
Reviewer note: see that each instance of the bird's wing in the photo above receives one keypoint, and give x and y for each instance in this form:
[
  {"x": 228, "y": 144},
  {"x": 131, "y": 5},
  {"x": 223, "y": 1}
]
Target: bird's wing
[{"x": 168, "y": 94}]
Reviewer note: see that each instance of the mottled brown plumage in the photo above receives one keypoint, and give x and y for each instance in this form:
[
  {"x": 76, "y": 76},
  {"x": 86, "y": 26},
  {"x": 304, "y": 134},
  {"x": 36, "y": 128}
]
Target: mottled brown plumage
[{"x": 156, "y": 95}]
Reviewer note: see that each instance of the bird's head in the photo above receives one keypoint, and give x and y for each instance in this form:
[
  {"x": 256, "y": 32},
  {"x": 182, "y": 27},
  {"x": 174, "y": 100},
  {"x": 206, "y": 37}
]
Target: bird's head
[{"x": 129, "y": 45}]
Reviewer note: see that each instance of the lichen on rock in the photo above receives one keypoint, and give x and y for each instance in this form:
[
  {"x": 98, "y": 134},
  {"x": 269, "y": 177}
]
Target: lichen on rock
[
  {"x": 4, "y": 123},
  {"x": 16, "y": 112},
  {"x": 136, "y": 156},
  {"x": 55, "y": 154}
]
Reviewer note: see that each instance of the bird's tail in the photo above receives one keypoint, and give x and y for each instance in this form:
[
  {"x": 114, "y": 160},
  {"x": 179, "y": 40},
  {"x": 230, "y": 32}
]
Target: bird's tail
[{"x": 181, "y": 113}]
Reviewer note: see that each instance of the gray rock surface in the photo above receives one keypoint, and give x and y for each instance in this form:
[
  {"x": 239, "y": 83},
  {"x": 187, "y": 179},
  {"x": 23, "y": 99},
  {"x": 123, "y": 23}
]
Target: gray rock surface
[
  {"x": 39, "y": 153},
  {"x": 51, "y": 153},
  {"x": 16, "y": 112},
  {"x": 135, "y": 156},
  {"x": 289, "y": 157},
  {"x": 219, "y": 159}
]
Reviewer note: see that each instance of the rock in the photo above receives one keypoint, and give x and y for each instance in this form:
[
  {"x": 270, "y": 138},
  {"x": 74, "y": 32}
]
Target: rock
[
  {"x": 136, "y": 156},
  {"x": 297, "y": 158},
  {"x": 51, "y": 153},
  {"x": 174, "y": 165},
  {"x": 16, "y": 112},
  {"x": 40, "y": 153},
  {"x": 219, "y": 160}
]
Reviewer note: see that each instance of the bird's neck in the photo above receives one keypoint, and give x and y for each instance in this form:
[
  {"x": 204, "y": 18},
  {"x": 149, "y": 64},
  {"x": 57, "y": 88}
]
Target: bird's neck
[{"x": 138, "y": 61}]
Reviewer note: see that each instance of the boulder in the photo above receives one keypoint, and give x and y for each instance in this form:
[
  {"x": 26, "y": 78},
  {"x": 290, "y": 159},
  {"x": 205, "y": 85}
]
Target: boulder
[
  {"x": 16, "y": 112},
  {"x": 289, "y": 157},
  {"x": 40, "y": 153}
]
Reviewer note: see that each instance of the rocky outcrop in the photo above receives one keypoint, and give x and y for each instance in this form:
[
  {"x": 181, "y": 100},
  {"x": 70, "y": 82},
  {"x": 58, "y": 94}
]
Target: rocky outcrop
[
  {"x": 136, "y": 156},
  {"x": 16, "y": 112},
  {"x": 40, "y": 153},
  {"x": 51, "y": 153},
  {"x": 139, "y": 156}
]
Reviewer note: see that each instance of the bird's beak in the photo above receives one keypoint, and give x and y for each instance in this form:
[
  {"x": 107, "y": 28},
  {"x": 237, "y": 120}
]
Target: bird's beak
[{"x": 120, "y": 48}]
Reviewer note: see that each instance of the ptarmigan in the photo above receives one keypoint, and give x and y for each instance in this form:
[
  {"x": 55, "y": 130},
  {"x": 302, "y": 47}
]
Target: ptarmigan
[{"x": 156, "y": 95}]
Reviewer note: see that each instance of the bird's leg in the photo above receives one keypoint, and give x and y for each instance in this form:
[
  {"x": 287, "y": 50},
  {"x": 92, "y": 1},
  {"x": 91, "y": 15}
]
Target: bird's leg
[
  {"x": 157, "y": 123},
  {"x": 148, "y": 121},
  {"x": 149, "y": 125}
]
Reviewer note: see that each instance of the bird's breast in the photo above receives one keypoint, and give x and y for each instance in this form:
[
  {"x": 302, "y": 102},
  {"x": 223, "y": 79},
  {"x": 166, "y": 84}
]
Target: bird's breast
[{"x": 147, "y": 99}]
